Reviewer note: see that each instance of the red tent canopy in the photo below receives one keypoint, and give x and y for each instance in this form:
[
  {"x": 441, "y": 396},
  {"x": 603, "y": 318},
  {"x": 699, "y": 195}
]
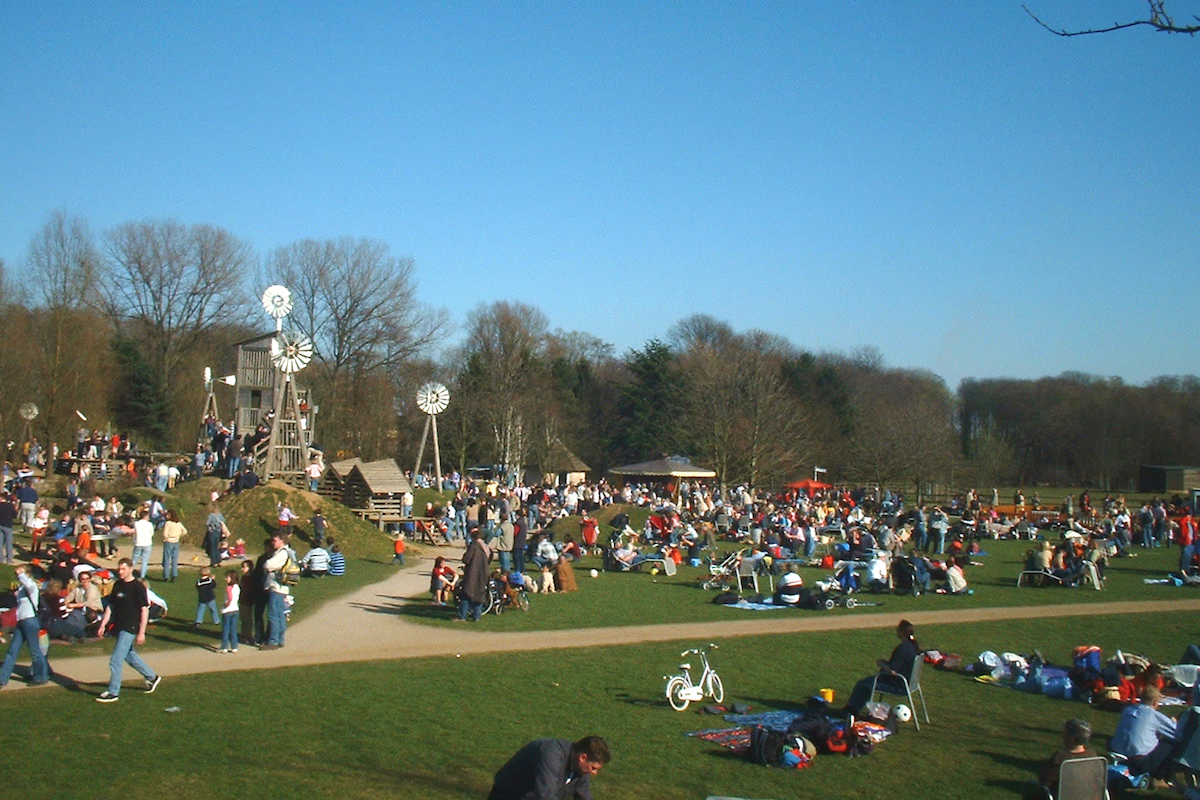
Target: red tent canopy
[{"x": 810, "y": 485}]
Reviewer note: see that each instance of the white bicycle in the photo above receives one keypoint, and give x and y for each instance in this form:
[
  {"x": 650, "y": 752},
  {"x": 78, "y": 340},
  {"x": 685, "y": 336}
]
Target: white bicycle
[{"x": 681, "y": 690}]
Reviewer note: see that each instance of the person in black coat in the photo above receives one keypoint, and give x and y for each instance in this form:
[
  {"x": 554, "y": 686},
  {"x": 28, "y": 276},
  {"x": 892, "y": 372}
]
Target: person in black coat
[
  {"x": 551, "y": 769},
  {"x": 899, "y": 664}
]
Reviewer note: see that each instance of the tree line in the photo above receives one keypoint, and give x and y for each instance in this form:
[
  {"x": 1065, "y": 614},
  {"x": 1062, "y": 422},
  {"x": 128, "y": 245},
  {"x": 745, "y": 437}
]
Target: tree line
[{"x": 119, "y": 327}]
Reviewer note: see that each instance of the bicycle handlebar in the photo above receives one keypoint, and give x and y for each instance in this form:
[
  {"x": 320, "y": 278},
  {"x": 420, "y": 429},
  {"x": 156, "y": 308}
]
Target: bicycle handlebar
[{"x": 698, "y": 651}]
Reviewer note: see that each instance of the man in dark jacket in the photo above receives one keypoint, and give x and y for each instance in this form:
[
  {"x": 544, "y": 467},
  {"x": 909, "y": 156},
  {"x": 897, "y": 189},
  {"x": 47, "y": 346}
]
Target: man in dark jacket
[
  {"x": 551, "y": 769},
  {"x": 474, "y": 582}
]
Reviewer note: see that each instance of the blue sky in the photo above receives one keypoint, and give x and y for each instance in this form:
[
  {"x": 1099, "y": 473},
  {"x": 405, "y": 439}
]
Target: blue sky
[{"x": 945, "y": 181}]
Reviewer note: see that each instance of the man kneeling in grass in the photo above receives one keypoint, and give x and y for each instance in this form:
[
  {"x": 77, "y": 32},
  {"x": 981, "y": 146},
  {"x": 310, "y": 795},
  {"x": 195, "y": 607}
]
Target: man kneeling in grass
[{"x": 551, "y": 769}]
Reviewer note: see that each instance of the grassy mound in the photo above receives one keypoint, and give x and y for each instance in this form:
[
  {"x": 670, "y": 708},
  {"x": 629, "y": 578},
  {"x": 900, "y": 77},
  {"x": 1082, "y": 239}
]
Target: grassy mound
[{"x": 253, "y": 515}]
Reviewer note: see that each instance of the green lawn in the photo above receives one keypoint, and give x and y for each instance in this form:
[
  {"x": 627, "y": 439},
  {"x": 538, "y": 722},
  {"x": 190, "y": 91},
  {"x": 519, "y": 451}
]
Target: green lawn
[
  {"x": 439, "y": 728},
  {"x": 636, "y": 598}
]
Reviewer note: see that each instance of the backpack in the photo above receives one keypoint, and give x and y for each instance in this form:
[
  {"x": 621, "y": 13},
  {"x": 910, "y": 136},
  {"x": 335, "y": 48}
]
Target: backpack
[
  {"x": 289, "y": 573},
  {"x": 766, "y": 746}
]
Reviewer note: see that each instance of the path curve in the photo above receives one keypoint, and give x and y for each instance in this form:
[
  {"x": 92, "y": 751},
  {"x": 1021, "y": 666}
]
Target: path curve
[{"x": 367, "y": 626}]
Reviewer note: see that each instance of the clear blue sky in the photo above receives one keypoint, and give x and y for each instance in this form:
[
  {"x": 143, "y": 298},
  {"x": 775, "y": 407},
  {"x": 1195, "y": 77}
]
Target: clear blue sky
[{"x": 945, "y": 181}]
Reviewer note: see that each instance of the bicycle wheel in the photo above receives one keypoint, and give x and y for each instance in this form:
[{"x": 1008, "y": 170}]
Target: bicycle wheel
[
  {"x": 489, "y": 602},
  {"x": 523, "y": 601},
  {"x": 715, "y": 688},
  {"x": 675, "y": 687}
]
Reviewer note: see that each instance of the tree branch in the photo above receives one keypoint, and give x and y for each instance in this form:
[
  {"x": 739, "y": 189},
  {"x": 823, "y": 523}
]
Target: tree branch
[{"x": 1157, "y": 18}]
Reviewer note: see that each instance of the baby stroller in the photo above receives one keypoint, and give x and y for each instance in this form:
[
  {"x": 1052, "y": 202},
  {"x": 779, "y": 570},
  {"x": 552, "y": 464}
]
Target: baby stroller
[
  {"x": 506, "y": 591},
  {"x": 724, "y": 573}
]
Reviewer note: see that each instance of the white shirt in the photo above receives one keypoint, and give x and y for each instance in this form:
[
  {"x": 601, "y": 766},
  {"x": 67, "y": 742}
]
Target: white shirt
[{"x": 143, "y": 533}]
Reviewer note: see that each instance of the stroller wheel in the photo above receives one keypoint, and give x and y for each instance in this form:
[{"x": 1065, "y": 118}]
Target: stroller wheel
[
  {"x": 851, "y": 602},
  {"x": 830, "y": 603}
]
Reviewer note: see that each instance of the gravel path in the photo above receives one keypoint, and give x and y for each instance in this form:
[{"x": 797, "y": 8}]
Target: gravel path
[{"x": 367, "y": 626}]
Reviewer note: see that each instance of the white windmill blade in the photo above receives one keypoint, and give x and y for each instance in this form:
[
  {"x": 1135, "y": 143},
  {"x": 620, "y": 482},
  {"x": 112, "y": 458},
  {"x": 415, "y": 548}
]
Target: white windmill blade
[
  {"x": 277, "y": 302},
  {"x": 291, "y": 352},
  {"x": 433, "y": 398}
]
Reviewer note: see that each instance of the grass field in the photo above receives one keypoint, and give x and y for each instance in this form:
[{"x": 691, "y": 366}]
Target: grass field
[
  {"x": 439, "y": 728},
  {"x": 636, "y": 598}
]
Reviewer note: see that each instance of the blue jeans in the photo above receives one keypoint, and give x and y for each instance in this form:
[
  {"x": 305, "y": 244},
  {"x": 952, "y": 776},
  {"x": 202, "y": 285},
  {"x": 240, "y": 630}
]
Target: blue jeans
[
  {"x": 123, "y": 653},
  {"x": 212, "y": 606},
  {"x": 234, "y": 465},
  {"x": 170, "y": 560},
  {"x": 6, "y": 545},
  {"x": 313, "y": 484},
  {"x": 466, "y": 605},
  {"x": 161, "y": 483},
  {"x": 922, "y": 538},
  {"x": 141, "y": 555},
  {"x": 941, "y": 540},
  {"x": 276, "y": 618},
  {"x": 229, "y": 630},
  {"x": 505, "y": 560},
  {"x": 26, "y": 633}
]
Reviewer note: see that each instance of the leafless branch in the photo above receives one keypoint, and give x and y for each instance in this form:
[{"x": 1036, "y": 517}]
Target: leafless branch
[{"x": 1157, "y": 18}]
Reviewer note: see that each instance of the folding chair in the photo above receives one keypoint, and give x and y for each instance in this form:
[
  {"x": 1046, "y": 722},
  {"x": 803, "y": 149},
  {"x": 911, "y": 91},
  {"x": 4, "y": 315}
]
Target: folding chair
[
  {"x": 1083, "y": 779},
  {"x": 911, "y": 685},
  {"x": 1037, "y": 577},
  {"x": 748, "y": 569}
]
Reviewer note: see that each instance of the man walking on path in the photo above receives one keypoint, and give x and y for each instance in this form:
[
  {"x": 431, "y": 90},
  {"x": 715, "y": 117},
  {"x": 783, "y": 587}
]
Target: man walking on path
[{"x": 129, "y": 610}]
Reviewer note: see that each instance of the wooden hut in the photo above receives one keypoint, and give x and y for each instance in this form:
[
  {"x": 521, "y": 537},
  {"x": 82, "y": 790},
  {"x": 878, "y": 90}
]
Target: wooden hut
[
  {"x": 375, "y": 490},
  {"x": 333, "y": 480}
]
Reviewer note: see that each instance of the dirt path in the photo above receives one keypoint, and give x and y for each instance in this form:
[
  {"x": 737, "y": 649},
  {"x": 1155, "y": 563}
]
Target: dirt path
[{"x": 367, "y": 626}]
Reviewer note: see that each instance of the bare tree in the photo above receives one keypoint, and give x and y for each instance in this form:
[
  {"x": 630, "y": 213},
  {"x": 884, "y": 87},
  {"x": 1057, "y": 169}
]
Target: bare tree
[
  {"x": 1157, "y": 17},
  {"x": 504, "y": 374},
  {"x": 740, "y": 416},
  {"x": 172, "y": 283},
  {"x": 358, "y": 304},
  {"x": 70, "y": 354}
]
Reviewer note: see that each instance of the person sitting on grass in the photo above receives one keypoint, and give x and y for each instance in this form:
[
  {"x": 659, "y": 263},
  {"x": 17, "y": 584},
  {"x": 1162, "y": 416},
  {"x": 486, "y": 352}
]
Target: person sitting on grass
[
  {"x": 545, "y": 553},
  {"x": 1145, "y": 736},
  {"x": 337, "y": 561},
  {"x": 1076, "y": 735},
  {"x": 315, "y": 563},
  {"x": 956, "y": 581},
  {"x": 441, "y": 582}
]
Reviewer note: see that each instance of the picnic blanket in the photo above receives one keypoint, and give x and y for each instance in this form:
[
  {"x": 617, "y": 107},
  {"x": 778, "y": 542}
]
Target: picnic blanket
[
  {"x": 774, "y": 720},
  {"x": 746, "y": 604},
  {"x": 736, "y": 739}
]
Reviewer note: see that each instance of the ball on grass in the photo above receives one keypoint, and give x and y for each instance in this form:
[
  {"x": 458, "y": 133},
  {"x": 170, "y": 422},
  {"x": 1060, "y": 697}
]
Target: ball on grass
[
  {"x": 903, "y": 713},
  {"x": 595, "y": 573}
]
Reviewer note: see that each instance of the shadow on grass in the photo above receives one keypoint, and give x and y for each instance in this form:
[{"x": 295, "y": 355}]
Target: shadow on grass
[
  {"x": 1013, "y": 787},
  {"x": 775, "y": 704},
  {"x": 623, "y": 695},
  {"x": 184, "y": 633},
  {"x": 1028, "y": 765},
  {"x": 424, "y": 610}
]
